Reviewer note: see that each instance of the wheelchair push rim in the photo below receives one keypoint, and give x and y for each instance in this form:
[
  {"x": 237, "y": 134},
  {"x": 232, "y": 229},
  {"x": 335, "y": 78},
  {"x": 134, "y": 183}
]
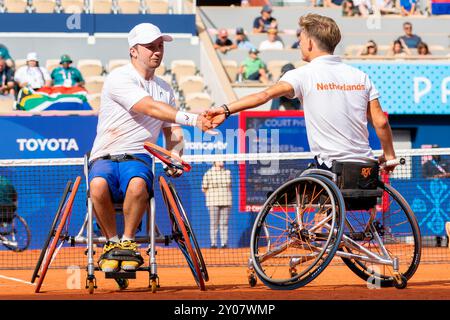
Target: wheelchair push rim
[
  {"x": 397, "y": 226},
  {"x": 180, "y": 234},
  {"x": 61, "y": 207},
  {"x": 297, "y": 232},
  {"x": 58, "y": 239},
  {"x": 190, "y": 232}
]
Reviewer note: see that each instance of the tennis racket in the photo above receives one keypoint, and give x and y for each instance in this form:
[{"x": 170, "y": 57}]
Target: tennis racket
[{"x": 167, "y": 157}]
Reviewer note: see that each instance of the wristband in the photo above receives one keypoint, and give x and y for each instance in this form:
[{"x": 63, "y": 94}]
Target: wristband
[
  {"x": 186, "y": 118},
  {"x": 227, "y": 111}
]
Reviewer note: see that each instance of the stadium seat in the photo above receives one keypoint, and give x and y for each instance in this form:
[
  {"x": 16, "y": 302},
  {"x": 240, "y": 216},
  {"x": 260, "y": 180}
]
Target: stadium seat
[
  {"x": 353, "y": 49},
  {"x": 102, "y": 6},
  {"x": 94, "y": 100},
  {"x": 94, "y": 84},
  {"x": 181, "y": 68},
  {"x": 73, "y": 6},
  {"x": 274, "y": 68},
  {"x": 129, "y": 6},
  {"x": 115, "y": 63},
  {"x": 191, "y": 84},
  {"x": 90, "y": 67},
  {"x": 161, "y": 70},
  {"x": 51, "y": 64},
  {"x": 15, "y": 6},
  {"x": 437, "y": 49},
  {"x": 198, "y": 102},
  {"x": 231, "y": 68},
  {"x": 20, "y": 63},
  {"x": 157, "y": 6},
  {"x": 6, "y": 105},
  {"x": 44, "y": 6}
]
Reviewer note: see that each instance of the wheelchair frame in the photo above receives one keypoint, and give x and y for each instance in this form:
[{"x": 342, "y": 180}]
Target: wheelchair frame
[
  {"x": 344, "y": 241},
  {"x": 182, "y": 234}
]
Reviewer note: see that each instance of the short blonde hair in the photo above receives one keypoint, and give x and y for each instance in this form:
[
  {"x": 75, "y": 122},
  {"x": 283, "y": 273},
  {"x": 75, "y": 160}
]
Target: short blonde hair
[{"x": 323, "y": 30}]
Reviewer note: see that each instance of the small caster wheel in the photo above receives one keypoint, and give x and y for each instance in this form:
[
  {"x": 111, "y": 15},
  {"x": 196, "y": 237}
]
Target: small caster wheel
[
  {"x": 122, "y": 283},
  {"x": 252, "y": 280},
  {"x": 402, "y": 284},
  {"x": 293, "y": 272},
  {"x": 91, "y": 287},
  {"x": 153, "y": 286}
]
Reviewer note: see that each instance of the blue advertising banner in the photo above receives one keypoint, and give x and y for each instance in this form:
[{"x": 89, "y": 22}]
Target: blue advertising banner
[
  {"x": 94, "y": 23},
  {"x": 34, "y": 137},
  {"x": 411, "y": 88}
]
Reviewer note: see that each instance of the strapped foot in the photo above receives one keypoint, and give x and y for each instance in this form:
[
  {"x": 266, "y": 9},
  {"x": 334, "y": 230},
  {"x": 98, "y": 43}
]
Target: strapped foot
[
  {"x": 132, "y": 258},
  {"x": 107, "y": 261}
]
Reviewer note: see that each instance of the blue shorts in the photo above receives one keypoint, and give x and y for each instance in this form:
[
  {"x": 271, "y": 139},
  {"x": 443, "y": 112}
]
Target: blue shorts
[{"x": 119, "y": 173}]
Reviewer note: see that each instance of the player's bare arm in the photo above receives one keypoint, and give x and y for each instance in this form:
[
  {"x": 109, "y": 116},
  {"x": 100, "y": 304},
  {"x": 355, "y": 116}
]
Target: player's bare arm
[
  {"x": 167, "y": 113},
  {"x": 379, "y": 121},
  {"x": 217, "y": 115}
]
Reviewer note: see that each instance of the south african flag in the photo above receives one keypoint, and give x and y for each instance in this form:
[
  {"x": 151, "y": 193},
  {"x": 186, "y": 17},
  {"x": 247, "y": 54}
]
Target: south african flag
[{"x": 53, "y": 98}]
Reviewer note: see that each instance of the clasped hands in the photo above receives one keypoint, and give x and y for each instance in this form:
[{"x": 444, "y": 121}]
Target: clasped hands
[{"x": 211, "y": 119}]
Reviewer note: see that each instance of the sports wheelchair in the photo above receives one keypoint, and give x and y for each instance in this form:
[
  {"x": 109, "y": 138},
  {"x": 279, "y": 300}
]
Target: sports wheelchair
[
  {"x": 348, "y": 212},
  {"x": 181, "y": 231},
  {"x": 14, "y": 232}
]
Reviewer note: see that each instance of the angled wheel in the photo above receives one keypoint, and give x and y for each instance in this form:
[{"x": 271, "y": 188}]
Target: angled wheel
[
  {"x": 15, "y": 235},
  {"x": 181, "y": 235},
  {"x": 297, "y": 232},
  {"x": 57, "y": 238},
  {"x": 190, "y": 232},
  {"x": 394, "y": 234}
]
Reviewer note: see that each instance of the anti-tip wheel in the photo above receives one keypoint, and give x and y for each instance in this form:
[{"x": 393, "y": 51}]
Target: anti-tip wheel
[
  {"x": 91, "y": 287},
  {"x": 402, "y": 284},
  {"x": 153, "y": 286},
  {"x": 122, "y": 283},
  {"x": 252, "y": 280}
]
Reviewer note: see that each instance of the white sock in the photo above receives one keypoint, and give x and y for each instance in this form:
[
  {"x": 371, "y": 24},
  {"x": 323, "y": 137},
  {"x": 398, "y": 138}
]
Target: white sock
[
  {"x": 114, "y": 239},
  {"x": 125, "y": 238}
]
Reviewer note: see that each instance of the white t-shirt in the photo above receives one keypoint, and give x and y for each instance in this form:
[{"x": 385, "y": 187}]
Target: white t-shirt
[
  {"x": 334, "y": 98},
  {"x": 267, "y": 45},
  {"x": 35, "y": 76},
  {"x": 120, "y": 129}
]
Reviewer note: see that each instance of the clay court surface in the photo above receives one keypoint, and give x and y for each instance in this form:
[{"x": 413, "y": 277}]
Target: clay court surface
[{"x": 431, "y": 282}]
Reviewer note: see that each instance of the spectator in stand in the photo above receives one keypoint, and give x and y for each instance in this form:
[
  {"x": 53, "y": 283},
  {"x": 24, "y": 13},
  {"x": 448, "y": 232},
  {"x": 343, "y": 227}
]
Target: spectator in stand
[
  {"x": 242, "y": 41},
  {"x": 422, "y": 49},
  {"x": 265, "y": 22},
  {"x": 370, "y": 49},
  {"x": 4, "y": 52},
  {"x": 399, "y": 49},
  {"x": 408, "y": 7},
  {"x": 66, "y": 75},
  {"x": 411, "y": 40},
  {"x": 296, "y": 44},
  {"x": 364, "y": 7},
  {"x": 349, "y": 9},
  {"x": 273, "y": 42},
  {"x": 223, "y": 43},
  {"x": 253, "y": 68},
  {"x": 32, "y": 75},
  {"x": 386, "y": 7},
  {"x": 6, "y": 79},
  {"x": 332, "y": 3}
]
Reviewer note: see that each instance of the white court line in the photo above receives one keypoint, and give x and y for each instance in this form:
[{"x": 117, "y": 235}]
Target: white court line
[{"x": 15, "y": 279}]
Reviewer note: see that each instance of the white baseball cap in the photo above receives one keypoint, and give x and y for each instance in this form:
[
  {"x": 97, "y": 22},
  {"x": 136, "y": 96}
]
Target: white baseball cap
[
  {"x": 145, "y": 33},
  {"x": 32, "y": 56}
]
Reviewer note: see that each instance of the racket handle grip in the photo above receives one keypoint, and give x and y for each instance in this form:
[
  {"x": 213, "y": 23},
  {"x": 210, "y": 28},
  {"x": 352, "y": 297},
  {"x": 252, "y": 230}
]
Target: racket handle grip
[{"x": 393, "y": 162}]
